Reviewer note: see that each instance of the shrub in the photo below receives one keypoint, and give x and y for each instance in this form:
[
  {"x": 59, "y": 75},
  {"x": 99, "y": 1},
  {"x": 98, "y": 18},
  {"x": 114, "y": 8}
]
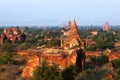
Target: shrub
[
  {"x": 24, "y": 46},
  {"x": 2, "y": 70},
  {"x": 91, "y": 48},
  {"x": 67, "y": 74},
  {"x": 92, "y": 74},
  {"x": 7, "y": 57},
  {"x": 46, "y": 72},
  {"x": 101, "y": 59},
  {"x": 116, "y": 63},
  {"x": 53, "y": 43},
  {"x": 7, "y": 47}
]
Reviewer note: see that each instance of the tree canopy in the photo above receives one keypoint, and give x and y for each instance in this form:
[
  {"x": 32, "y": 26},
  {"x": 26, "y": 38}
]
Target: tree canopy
[{"x": 46, "y": 72}]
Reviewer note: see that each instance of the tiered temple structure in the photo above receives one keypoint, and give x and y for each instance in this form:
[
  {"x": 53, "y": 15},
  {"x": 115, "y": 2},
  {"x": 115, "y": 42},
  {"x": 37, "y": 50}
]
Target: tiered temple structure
[
  {"x": 71, "y": 37},
  {"x": 12, "y": 34},
  {"x": 63, "y": 57}
]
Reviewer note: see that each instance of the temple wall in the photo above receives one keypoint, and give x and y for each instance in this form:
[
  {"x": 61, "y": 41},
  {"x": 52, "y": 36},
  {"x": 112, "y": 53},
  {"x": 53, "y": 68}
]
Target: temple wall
[{"x": 35, "y": 58}]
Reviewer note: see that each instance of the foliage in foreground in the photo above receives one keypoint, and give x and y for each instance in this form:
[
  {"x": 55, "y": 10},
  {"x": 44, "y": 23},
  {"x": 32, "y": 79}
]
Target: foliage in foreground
[
  {"x": 116, "y": 63},
  {"x": 92, "y": 74},
  {"x": 116, "y": 69},
  {"x": 68, "y": 73},
  {"x": 46, "y": 72}
]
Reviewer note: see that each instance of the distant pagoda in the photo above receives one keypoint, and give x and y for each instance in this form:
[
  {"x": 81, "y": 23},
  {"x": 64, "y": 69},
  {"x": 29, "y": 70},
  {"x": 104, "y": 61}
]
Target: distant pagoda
[{"x": 106, "y": 27}]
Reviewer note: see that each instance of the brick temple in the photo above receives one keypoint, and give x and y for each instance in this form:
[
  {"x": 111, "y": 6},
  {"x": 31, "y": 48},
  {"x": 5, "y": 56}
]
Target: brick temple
[
  {"x": 12, "y": 34},
  {"x": 63, "y": 57}
]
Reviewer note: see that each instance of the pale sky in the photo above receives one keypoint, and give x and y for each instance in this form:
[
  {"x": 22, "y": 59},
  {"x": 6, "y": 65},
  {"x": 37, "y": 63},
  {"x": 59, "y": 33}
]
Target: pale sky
[{"x": 55, "y": 12}]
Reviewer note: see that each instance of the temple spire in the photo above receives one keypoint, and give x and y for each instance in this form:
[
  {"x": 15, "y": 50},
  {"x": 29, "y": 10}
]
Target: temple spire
[
  {"x": 74, "y": 23},
  {"x": 73, "y": 37},
  {"x": 73, "y": 32}
]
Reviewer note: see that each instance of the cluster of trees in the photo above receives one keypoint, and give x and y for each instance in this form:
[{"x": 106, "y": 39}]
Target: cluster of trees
[
  {"x": 35, "y": 38},
  {"x": 33, "y": 43},
  {"x": 85, "y": 32},
  {"x": 116, "y": 69},
  {"x": 53, "y": 72},
  {"x": 101, "y": 59},
  {"x": 116, "y": 63},
  {"x": 46, "y": 72},
  {"x": 103, "y": 41},
  {"x": 91, "y": 74},
  {"x": 117, "y": 34},
  {"x": 7, "y": 53}
]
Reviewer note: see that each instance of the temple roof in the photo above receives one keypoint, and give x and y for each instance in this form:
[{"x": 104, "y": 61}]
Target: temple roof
[{"x": 73, "y": 32}]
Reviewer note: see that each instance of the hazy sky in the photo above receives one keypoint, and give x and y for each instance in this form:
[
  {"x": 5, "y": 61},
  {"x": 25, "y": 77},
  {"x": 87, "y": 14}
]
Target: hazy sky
[{"x": 55, "y": 12}]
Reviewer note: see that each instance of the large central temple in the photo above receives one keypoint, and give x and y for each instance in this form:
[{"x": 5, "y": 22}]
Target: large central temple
[
  {"x": 71, "y": 37},
  {"x": 70, "y": 53}
]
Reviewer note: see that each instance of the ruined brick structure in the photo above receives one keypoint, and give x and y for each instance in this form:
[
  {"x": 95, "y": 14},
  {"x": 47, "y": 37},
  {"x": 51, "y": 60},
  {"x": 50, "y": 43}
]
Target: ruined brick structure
[
  {"x": 71, "y": 37},
  {"x": 63, "y": 59},
  {"x": 36, "y": 57},
  {"x": 12, "y": 34}
]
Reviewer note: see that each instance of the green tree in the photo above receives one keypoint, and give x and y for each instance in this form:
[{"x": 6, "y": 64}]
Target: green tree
[
  {"x": 24, "y": 46},
  {"x": 91, "y": 48},
  {"x": 116, "y": 74},
  {"x": 91, "y": 74},
  {"x": 101, "y": 59},
  {"x": 41, "y": 43},
  {"x": 7, "y": 47},
  {"x": 53, "y": 43},
  {"x": 103, "y": 41},
  {"x": 116, "y": 70},
  {"x": 68, "y": 73},
  {"x": 116, "y": 63},
  {"x": 46, "y": 72},
  {"x": 7, "y": 53},
  {"x": 7, "y": 57}
]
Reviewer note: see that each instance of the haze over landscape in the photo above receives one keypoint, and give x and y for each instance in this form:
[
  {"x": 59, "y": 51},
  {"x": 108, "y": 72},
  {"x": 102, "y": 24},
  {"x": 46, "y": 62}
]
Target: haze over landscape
[
  {"x": 55, "y": 12},
  {"x": 59, "y": 40}
]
